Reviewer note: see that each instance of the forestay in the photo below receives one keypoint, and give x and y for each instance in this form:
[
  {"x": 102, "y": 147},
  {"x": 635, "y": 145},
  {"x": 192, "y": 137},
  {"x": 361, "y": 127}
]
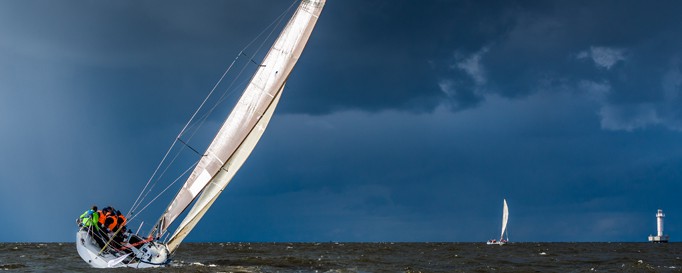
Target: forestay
[{"x": 243, "y": 127}]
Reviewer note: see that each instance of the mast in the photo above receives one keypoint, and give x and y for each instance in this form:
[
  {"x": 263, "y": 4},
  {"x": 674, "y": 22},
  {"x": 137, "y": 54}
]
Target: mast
[{"x": 244, "y": 126}]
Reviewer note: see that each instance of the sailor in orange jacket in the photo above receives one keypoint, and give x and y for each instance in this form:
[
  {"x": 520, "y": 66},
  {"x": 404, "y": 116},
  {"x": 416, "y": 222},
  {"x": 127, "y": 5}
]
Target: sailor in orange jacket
[
  {"x": 111, "y": 221},
  {"x": 122, "y": 221},
  {"x": 102, "y": 216}
]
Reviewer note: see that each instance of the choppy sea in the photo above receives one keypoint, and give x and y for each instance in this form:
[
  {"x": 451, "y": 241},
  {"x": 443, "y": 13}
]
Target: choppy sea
[{"x": 371, "y": 257}]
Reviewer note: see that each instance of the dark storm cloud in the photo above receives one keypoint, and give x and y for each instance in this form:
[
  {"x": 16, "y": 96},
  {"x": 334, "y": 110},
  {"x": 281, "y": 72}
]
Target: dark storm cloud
[
  {"x": 633, "y": 50},
  {"x": 380, "y": 55}
]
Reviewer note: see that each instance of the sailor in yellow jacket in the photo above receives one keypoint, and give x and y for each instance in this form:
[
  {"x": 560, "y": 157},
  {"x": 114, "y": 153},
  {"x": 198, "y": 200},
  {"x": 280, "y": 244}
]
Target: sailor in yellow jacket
[{"x": 90, "y": 218}]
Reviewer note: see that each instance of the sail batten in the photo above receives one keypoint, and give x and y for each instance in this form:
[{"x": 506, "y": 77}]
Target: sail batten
[{"x": 244, "y": 126}]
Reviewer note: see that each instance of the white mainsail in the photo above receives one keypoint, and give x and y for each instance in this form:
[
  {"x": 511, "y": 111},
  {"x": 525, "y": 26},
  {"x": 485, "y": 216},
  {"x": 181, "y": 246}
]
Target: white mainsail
[
  {"x": 505, "y": 218},
  {"x": 244, "y": 126}
]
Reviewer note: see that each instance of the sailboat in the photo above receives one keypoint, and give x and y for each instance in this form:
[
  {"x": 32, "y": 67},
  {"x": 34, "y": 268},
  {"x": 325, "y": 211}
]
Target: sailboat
[
  {"x": 230, "y": 148},
  {"x": 505, "y": 219}
]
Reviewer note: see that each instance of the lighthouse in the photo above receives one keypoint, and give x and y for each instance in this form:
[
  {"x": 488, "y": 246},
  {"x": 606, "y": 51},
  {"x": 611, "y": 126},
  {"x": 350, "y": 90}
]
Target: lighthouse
[{"x": 660, "y": 237}]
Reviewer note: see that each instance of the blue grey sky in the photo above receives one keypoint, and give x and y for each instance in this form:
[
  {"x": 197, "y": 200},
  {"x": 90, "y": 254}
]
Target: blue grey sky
[{"x": 403, "y": 120}]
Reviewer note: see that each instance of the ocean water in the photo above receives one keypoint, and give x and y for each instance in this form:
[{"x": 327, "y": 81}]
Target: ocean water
[{"x": 370, "y": 257}]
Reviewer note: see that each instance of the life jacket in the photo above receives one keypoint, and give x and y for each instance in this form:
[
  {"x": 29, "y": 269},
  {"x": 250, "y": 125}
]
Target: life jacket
[
  {"x": 122, "y": 221},
  {"x": 111, "y": 222},
  {"x": 102, "y": 217}
]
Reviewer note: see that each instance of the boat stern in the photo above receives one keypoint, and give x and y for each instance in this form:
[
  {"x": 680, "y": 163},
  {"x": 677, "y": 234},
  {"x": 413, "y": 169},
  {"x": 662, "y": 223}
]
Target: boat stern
[{"x": 88, "y": 250}]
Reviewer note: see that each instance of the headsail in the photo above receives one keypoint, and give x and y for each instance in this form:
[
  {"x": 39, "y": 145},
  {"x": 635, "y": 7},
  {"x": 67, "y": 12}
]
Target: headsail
[
  {"x": 505, "y": 218},
  {"x": 244, "y": 126}
]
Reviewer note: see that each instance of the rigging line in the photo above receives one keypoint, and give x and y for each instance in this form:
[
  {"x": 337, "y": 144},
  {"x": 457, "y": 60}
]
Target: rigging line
[
  {"x": 135, "y": 204},
  {"x": 278, "y": 19},
  {"x": 190, "y": 147},
  {"x": 160, "y": 176},
  {"x": 110, "y": 244},
  {"x": 226, "y": 94},
  {"x": 224, "y": 97},
  {"x": 165, "y": 240},
  {"x": 164, "y": 190},
  {"x": 251, "y": 59},
  {"x": 185, "y": 127},
  {"x": 229, "y": 91},
  {"x": 111, "y": 241}
]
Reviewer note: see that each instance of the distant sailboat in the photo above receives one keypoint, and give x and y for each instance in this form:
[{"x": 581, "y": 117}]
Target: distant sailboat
[
  {"x": 227, "y": 152},
  {"x": 505, "y": 219}
]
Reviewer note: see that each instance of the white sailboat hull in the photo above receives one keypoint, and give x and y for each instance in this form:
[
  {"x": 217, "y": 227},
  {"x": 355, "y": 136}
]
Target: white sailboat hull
[{"x": 148, "y": 255}]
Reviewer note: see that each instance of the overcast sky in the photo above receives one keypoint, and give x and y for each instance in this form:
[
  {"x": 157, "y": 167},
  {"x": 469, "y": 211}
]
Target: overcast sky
[{"x": 403, "y": 120}]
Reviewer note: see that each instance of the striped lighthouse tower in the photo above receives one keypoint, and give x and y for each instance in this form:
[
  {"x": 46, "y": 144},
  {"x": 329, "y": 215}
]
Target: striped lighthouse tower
[{"x": 660, "y": 237}]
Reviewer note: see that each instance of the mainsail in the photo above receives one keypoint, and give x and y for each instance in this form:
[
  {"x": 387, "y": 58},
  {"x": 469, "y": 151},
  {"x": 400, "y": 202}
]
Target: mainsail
[
  {"x": 244, "y": 126},
  {"x": 505, "y": 218}
]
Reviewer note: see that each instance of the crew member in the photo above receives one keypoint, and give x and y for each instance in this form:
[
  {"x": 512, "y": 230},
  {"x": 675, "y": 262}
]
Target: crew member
[
  {"x": 111, "y": 221},
  {"x": 122, "y": 221},
  {"x": 90, "y": 218}
]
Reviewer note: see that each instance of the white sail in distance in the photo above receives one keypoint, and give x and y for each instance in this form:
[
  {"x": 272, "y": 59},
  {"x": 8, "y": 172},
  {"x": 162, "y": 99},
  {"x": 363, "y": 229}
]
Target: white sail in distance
[
  {"x": 244, "y": 126},
  {"x": 505, "y": 218}
]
